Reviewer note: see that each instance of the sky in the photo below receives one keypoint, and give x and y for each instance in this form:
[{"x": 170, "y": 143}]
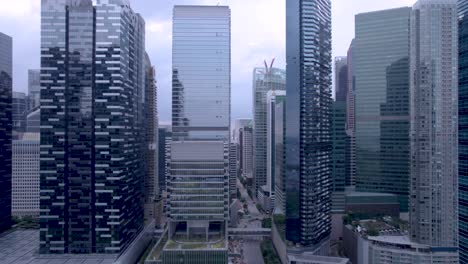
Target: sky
[{"x": 258, "y": 34}]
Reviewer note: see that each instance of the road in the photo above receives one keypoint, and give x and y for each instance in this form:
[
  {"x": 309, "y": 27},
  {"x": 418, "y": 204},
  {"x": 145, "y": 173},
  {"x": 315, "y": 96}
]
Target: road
[{"x": 252, "y": 252}]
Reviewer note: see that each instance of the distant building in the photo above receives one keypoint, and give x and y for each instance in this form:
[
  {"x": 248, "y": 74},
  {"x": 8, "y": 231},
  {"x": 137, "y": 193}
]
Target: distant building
[
  {"x": 33, "y": 121},
  {"x": 246, "y": 151},
  {"x": 25, "y": 179},
  {"x": 164, "y": 143},
  {"x": 351, "y": 121},
  {"x": 20, "y": 110},
  {"x": 34, "y": 88},
  {"x": 6, "y": 93},
  {"x": 264, "y": 80},
  {"x": 380, "y": 64},
  {"x": 274, "y": 98},
  {"x": 233, "y": 165}
]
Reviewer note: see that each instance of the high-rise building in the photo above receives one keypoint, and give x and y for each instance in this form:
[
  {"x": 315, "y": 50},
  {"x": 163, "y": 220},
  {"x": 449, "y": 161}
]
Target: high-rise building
[
  {"x": 34, "y": 88},
  {"x": 463, "y": 129},
  {"x": 233, "y": 154},
  {"x": 25, "y": 177},
  {"x": 341, "y": 78},
  {"x": 6, "y": 64},
  {"x": 340, "y": 160},
  {"x": 151, "y": 122},
  {"x": 246, "y": 150},
  {"x": 278, "y": 157},
  {"x": 308, "y": 132},
  {"x": 33, "y": 121},
  {"x": 165, "y": 137},
  {"x": 434, "y": 124},
  {"x": 351, "y": 121},
  {"x": 238, "y": 124},
  {"x": 264, "y": 80},
  {"x": 198, "y": 180},
  {"x": 381, "y": 83},
  {"x": 19, "y": 111},
  {"x": 274, "y": 97},
  {"x": 92, "y": 111}
]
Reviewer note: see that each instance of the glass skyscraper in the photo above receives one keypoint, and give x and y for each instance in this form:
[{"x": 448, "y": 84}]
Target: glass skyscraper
[
  {"x": 434, "y": 124},
  {"x": 463, "y": 129},
  {"x": 381, "y": 83},
  {"x": 198, "y": 180},
  {"x": 34, "y": 88},
  {"x": 92, "y": 102},
  {"x": 264, "y": 80},
  {"x": 6, "y": 64},
  {"x": 308, "y": 131}
]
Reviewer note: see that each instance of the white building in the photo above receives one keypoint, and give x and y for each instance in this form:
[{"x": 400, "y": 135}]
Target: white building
[{"x": 25, "y": 179}]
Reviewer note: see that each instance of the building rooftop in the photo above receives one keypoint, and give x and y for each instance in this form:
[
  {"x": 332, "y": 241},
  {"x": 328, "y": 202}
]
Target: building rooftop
[{"x": 21, "y": 247}]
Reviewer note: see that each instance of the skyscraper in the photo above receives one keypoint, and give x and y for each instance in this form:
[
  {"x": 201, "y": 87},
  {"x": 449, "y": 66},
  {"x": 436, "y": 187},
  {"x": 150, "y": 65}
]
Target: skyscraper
[
  {"x": 279, "y": 155},
  {"x": 434, "y": 124},
  {"x": 381, "y": 83},
  {"x": 6, "y": 62},
  {"x": 233, "y": 154},
  {"x": 308, "y": 106},
  {"x": 25, "y": 177},
  {"x": 264, "y": 80},
  {"x": 341, "y": 78},
  {"x": 152, "y": 191},
  {"x": 34, "y": 88},
  {"x": 198, "y": 180},
  {"x": 19, "y": 111},
  {"x": 92, "y": 102},
  {"x": 164, "y": 135},
  {"x": 246, "y": 150},
  {"x": 351, "y": 121},
  {"x": 463, "y": 129},
  {"x": 274, "y": 98}
]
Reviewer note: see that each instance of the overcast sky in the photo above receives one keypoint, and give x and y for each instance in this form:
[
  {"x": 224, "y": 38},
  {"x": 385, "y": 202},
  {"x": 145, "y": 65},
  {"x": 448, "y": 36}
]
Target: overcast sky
[{"x": 258, "y": 33}]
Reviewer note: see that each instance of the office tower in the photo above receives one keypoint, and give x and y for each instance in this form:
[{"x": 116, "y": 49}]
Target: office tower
[
  {"x": 246, "y": 150},
  {"x": 198, "y": 182},
  {"x": 25, "y": 177},
  {"x": 238, "y": 124},
  {"x": 463, "y": 129},
  {"x": 351, "y": 121},
  {"x": 164, "y": 136},
  {"x": 19, "y": 111},
  {"x": 434, "y": 124},
  {"x": 341, "y": 78},
  {"x": 34, "y": 88},
  {"x": 264, "y": 80},
  {"x": 152, "y": 192},
  {"x": 6, "y": 62},
  {"x": 275, "y": 148},
  {"x": 338, "y": 161},
  {"x": 381, "y": 79},
  {"x": 92, "y": 105},
  {"x": 33, "y": 121},
  {"x": 308, "y": 107},
  {"x": 233, "y": 154}
]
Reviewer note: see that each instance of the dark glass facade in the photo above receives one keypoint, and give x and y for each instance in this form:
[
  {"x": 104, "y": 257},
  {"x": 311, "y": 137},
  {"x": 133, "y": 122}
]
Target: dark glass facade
[
  {"x": 463, "y": 129},
  {"x": 6, "y": 59},
  {"x": 92, "y": 102},
  {"x": 339, "y": 141},
  {"x": 381, "y": 72},
  {"x": 19, "y": 111},
  {"x": 165, "y": 137},
  {"x": 308, "y": 132}
]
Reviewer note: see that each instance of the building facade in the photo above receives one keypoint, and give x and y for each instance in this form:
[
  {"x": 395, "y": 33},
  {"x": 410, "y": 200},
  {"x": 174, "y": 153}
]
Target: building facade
[
  {"x": 34, "y": 88},
  {"x": 164, "y": 136},
  {"x": 381, "y": 75},
  {"x": 351, "y": 121},
  {"x": 19, "y": 111},
  {"x": 434, "y": 124},
  {"x": 463, "y": 129},
  {"x": 152, "y": 191},
  {"x": 246, "y": 151},
  {"x": 264, "y": 80},
  {"x": 233, "y": 165},
  {"x": 25, "y": 177},
  {"x": 92, "y": 105},
  {"x": 198, "y": 179},
  {"x": 6, "y": 65},
  {"x": 308, "y": 132},
  {"x": 274, "y": 98}
]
